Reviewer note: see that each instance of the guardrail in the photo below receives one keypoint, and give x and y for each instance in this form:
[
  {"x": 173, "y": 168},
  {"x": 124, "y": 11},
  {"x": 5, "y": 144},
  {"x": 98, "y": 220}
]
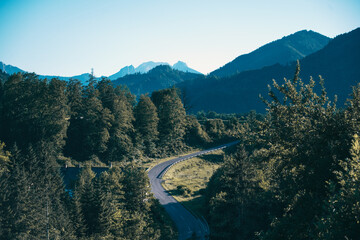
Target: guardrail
[
  {"x": 195, "y": 155},
  {"x": 161, "y": 174}
]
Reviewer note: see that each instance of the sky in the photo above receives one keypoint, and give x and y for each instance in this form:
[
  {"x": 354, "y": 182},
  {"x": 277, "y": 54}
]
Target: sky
[{"x": 69, "y": 37}]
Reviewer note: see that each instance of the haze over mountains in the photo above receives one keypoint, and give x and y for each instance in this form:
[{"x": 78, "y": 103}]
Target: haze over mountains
[
  {"x": 283, "y": 51},
  {"x": 160, "y": 77},
  {"x": 338, "y": 63},
  {"x": 236, "y": 86},
  {"x": 147, "y": 66},
  {"x": 9, "y": 69},
  {"x": 142, "y": 68}
]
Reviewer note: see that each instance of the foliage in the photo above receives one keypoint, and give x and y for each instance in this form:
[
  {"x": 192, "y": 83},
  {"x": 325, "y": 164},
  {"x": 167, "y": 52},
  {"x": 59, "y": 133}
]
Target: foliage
[
  {"x": 146, "y": 124},
  {"x": 171, "y": 119},
  {"x": 118, "y": 205},
  {"x": 29, "y": 109},
  {"x": 4, "y": 158},
  {"x": 289, "y": 180},
  {"x": 45, "y": 121},
  {"x": 34, "y": 201}
]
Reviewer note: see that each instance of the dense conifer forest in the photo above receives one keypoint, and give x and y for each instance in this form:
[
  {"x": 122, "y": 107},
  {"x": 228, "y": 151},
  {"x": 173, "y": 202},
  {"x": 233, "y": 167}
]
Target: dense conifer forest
[
  {"x": 294, "y": 175},
  {"x": 47, "y": 124}
]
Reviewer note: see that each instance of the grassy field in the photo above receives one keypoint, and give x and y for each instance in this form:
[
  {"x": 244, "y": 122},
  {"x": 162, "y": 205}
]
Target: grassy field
[{"x": 186, "y": 181}]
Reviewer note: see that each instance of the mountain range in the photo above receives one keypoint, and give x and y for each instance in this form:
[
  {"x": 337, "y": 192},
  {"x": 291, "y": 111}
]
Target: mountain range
[
  {"x": 147, "y": 66},
  {"x": 236, "y": 86},
  {"x": 142, "y": 68},
  {"x": 160, "y": 77},
  {"x": 283, "y": 51},
  {"x": 338, "y": 63}
]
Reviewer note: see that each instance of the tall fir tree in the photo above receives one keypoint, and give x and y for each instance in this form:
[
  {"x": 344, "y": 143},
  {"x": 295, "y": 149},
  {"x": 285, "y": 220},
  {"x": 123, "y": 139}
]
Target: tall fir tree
[
  {"x": 146, "y": 125},
  {"x": 122, "y": 133},
  {"x": 171, "y": 114},
  {"x": 29, "y": 108},
  {"x": 34, "y": 199}
]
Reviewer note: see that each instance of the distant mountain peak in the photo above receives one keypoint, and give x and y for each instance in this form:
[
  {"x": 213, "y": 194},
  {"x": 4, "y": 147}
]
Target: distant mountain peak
[
  {"x": 182, "y": 66},
  {"x": 127, "y": 70},
  {"x": 282, "y": 51},
  {"x": 123, "y": 72},
  {"x": 180, "y": 63},
  {"x": 159, "y": 77},
  {"x": 147, "y": 66},
  {"x": 9, "y": 69}
]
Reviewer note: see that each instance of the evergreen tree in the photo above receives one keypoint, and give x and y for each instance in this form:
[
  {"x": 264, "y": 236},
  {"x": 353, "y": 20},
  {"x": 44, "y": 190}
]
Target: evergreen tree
[
  {"x": 122, "y": 133},
  {"x": 4, "y": 158},
  {"x": 171, "y": 119},
  {"x": 74, "y": 94},
  {"x": 85, "y": 193},
  {"x": 146, "y": 125},
  {"x": 93, "y": 125},
  {"x": 215, "y": 128},
  {"x": 341, "y": 219},
  {"x": 107, "y": 93},
  {"x": 76, "y": 131},
  {"x": 194, "y": 133},
  {"x": 29, "y": 107},
  {"x": 33, "y": 198}
]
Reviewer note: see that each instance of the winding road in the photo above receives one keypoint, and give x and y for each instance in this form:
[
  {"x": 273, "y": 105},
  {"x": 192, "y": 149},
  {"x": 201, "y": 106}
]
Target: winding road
[{"x": 187, "y": 224}]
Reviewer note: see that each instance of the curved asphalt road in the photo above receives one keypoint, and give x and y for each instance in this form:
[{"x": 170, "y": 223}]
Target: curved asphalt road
[{"x": 186, "y": 223}]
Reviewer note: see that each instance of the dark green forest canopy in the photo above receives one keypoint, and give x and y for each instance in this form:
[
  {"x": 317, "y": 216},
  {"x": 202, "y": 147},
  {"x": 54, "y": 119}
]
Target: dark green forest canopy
[
  {"x": 294, "y": 175},
  {"x": 46, "y": 123}
]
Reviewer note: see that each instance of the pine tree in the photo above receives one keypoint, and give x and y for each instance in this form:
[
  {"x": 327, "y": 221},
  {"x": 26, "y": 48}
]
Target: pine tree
[
  {"x": 107, "y": 94},
  {"x": 171, "y": 119},
  {"x": 342, "y": 217},
  {"x": 84, "y": 191},
  {"x": 194, "y": 133},
  {"x": 29, "y": 108},
  {"x": 111, "y": 205},
  {"x": 215, "y": 128},
  {"x": 34, "y": 199},
  {"x": 122, "y": 133},
  {"x": 75, "y": 133},
  {"x": 4, "y": 158},
  {"x": 146, "y": 124}
]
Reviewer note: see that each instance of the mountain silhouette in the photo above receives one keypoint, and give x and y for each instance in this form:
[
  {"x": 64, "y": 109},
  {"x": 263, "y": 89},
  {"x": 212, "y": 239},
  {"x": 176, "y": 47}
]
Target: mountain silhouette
[
  {"x": 160, "y": 77},
  {"x": 338, "y": 63},
  {"x": 282, "y": 51}
]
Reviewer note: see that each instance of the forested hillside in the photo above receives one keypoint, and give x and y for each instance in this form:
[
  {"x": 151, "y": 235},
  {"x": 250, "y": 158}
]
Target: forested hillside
[
  {"x": 283, "y": 51},
  {"x": 47, "y": 124},
  {"x": 160, "y": 77},
  {"x": 337, "y": 63}
]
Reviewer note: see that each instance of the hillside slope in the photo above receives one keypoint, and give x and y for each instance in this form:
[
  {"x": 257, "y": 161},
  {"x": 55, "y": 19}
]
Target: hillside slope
[
  {"x": 158, "y": 78},
  {"x": 285, "y": 50},
  {"x": 338, "y": 63}
]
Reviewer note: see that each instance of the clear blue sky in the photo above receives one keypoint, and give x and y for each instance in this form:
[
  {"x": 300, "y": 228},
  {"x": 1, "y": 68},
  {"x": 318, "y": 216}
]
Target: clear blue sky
[{"x": 69, "y": 37}]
